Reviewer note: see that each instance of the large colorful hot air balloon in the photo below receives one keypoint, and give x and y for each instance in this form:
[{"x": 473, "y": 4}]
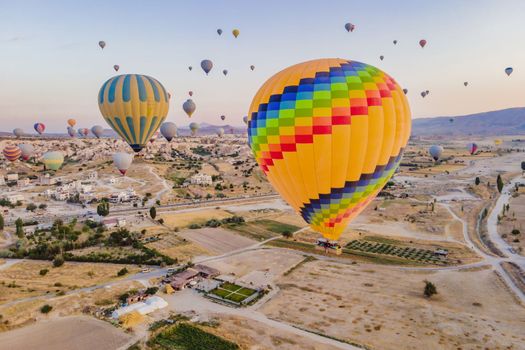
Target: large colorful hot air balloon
[
  {"x": 53, "y": 160},
  {"x": 329, "y": 134},
  {"x": 472, "y": 148},
  {"x": 168, "y": 130},
  {"x": 122, "y": 161},
  {"x": 509, "y": 70},
  {"x": 71, "y": 122},
  {"x": 97, "y": 130},
  {"x": 18, "y": 133},
  {"x": 71, "y": 131},
  {"x": 236, "y": 32},
  {"x": 102, "y": 44},
  {"x": 189, "y": 107},
  {"x": 134, "y": 106},
  {"x": 349, "y": 27},
  {"x": 194, "y": 127},
  {"x": 435, "y": 151},
  {"x": 422, "y": 43},
  {"x": 12, "y": 152},
  {"x": 39, "y": 128},
  {"x": 27, "y": 150},
  {"x": 206, "y": 66}
]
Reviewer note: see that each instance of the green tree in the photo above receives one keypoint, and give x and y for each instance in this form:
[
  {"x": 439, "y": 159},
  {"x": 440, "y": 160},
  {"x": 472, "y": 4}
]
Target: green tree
[
  {"x": 153, "y": 212},
  {"x": 58, "y": 261},
  {"x": 430, "y": 289},
  {"x": 499, "y": 182},
  {"x": 103, "y": 208},
  {"x": 19, "y": 224},
  {"x": 1, "y": 222},
  {"x": 46, "y": 309},
  {"x": 287, "y": 234},
  {"x": 477, "y": 181},
  {"x": 122, "y": 272},
  {"x": 31, "y": 207}
]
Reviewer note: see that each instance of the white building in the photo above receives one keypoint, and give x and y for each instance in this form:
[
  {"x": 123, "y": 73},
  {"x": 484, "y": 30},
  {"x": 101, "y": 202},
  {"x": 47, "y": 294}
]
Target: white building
[
  {"x": 92, "y": 176},
  {"x": 12, "y": 177},
  {"x": 201, "y": 179}
]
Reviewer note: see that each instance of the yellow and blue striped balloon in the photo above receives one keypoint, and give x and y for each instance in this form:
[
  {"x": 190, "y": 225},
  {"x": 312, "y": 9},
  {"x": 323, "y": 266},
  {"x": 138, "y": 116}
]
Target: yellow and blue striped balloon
[{"x": 134, "y": 106}]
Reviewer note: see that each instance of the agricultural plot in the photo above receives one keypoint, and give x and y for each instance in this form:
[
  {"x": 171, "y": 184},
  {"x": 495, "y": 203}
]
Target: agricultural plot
[
  {"x": 420, "y": 255},
  {"x": 186, "y": 336},
  {"x": 233, "y": 293},
  {"x": 262, "y": 229}
]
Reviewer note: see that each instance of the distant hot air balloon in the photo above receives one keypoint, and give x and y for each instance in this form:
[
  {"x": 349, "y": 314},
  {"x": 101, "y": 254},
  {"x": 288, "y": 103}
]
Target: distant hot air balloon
[
  {"x": 236, "y": 32},
  {"x": 12, "y": 152},
  {"x": 252, "y": 67},
  {"x": 435, "y": 151},
  {"x": 220, "y": 132},
  {"x": 422, "y": 43},
  {"x": 225, "y": 71},
  {"x": 423, "y": 94},
  {"x": 154, "y": 137},
  {"x": 18, "y": 132},
  {"x": 27, "y": 150},
  {"x": 190, "y": 68},
  {"x": 223, "y": 117},
  {"x": 509, "y": 70},
  {"x": 190, "y": 93},
  {"x": 189, "y": 107},
  {"x": 122, "y": 161},
  {"x": 206, "y": 66},
  {"x": 97, "y": 130},
  {"x": 168, "y": 130},
  {"x": 245, "y": 119},
  {"x": 134, "y": 106},
  {"x": 330, "y": 170},
  {"x": 169, "y": 96},
  {"x": 71, "y": 122},
  {"x": 523, "y": 166},
  {"x": 194, "y": 127},
  {"x": 472, "y": 148},
  {"x": 498, "y": 142},
  {"x": 39, "y": 128},
  {"x": 349, "y": 27},
  {"x": 427, "y": 92},
  {"x": 405, "y": 91},
  {"x": 465, "y": 83},
  {"x": 85, "y": 132},
  {"x": 451, "y": 120},
  {"x": 219, "y": 31},
  {"x": 381, "y": 57},
  {"x": 116, "y": 67},
  {"x": 395, "y": 42},
  {"x": 71, "y": 131},
  {"x": 53, "y": 160},
  {"x": 102, "y": 44}
]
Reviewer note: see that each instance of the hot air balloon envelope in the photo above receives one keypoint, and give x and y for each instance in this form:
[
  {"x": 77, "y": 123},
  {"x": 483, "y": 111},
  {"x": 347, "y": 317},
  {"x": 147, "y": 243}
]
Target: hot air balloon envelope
[
  {"x": 134, "y": 106},
  {"x": 18, "y": 132},
  {"x": 27, "y": 150},
  {"x": 206, "y": 66},
  {"x": 189, "y": 107},
  {"x": 168, "y": 130},
  {"x": 472, "y": 148},
  {"x": 12, "y": 152},
  {"x": 236, "y": 32},
  {"x": 122, "y": 161},
  {"x": 435, "y": 151},
  {"x": 53, "y": 160},
  {"x": 97, "y": 130},
  {"x": 334, "y": 155},
  {"x": 39, "y": 128}
]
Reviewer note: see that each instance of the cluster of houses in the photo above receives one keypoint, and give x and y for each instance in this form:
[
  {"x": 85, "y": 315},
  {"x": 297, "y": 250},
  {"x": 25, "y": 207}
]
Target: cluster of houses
[{"x": 199, "y": 179}]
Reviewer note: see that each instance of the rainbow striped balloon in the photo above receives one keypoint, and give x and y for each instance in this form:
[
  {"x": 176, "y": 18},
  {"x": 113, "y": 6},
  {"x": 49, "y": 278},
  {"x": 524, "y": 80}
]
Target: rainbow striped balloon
[
  {"x": 329, "y": 134},
  {"x": 12, "y": 152},
  {"x": 134, "y": 106}
]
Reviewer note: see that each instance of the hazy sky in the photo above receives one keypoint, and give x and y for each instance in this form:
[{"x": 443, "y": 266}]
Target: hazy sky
[{"x": 52, "y": 68}]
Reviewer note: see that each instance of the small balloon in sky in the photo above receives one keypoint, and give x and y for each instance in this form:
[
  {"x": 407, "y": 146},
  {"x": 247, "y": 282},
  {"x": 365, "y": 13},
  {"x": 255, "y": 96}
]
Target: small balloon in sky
[
  {"x": 509, "y": 70},
  {"x": 189, "y": 107},
  {"x": 102, "y": 44},
  {"x": 206, "y": 66},
  {"x": 381, "y": 57},
  {"x": 190, "y": 68},
  {"x": 219, "y": 31},
  {"x": 39, "y": 128},
  {"x": 405, "y": 91},
  {"x": 465, "y": 83},
  {"x": 225, "y": 72},
  {"x": 236, "y": 32},
  {"x": 349, "y": 27},
  {"x": 422, "y": 43},
  {"x": 252, "y": 67},
  {"x": 395, "y": 42},
  {"x": 423, "y": 94},
  {"x": 223, "y": 117},
  {"x": 116, "y": 67},
  {"x": 190, "y": 93}
]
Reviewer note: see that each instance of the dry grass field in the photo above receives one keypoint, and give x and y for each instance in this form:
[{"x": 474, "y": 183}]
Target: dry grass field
[
  {"x": 175, "y": 246},
  {"x": 384, "y": 308},
  {"x": 24, "y": 280},
  {"x": 217, "y": 240},
  {"x": 185, "y": 218}
]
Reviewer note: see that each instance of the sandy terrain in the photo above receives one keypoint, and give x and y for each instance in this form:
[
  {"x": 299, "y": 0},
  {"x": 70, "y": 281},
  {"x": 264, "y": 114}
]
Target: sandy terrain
[
  {"x": 79, "y": 333},
  {"x": 217, "y": 240},
  {"x": 384, "y": 308},
  {"x": 175, "y": 246},
  {"x": 273, "y": 262},
  {"x": 514, "y": 220}
]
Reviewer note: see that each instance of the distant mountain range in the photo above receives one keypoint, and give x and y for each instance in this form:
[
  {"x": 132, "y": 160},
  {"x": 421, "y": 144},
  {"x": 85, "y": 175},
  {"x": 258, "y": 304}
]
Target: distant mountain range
[{"x": 509, "y": 121}]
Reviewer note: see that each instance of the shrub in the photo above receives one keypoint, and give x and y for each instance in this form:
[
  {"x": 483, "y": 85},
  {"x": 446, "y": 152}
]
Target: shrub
[
  {"x": 122, "y": 272},
  {"x": 43, "y": 272},
  {"x": 46, "y": 309},
  {"x": 430, "y": 289},
  {"x": 515, "y": 231},
  {"x": 58, "y": 261}
]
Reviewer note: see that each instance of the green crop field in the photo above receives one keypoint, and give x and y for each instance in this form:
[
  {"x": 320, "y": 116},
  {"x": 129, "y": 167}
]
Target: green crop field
[
  {"x": 415, "y": 254},
  {"x": 185, "y": 336},
  {"x": 233, "y": 292}
]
